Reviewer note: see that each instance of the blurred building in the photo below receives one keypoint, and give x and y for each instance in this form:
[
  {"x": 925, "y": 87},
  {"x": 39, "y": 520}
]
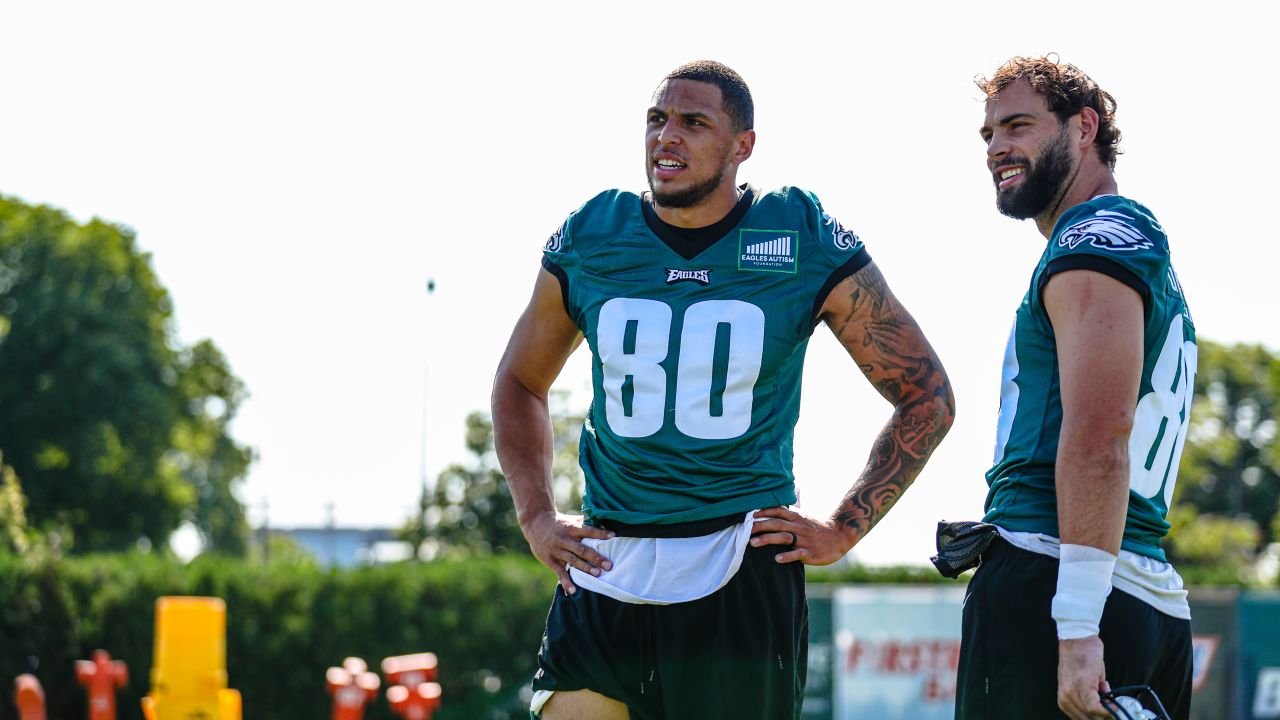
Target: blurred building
[{"x": 347, "y": 547}]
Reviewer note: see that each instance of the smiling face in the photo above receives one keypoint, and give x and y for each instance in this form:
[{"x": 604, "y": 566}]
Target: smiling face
[
  {"x": 1029, "y": 151},
  {"x": 692, "y": 149}
]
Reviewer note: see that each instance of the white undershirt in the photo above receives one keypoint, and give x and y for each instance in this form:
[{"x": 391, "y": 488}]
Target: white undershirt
[{"x": 1153, "y": 582}]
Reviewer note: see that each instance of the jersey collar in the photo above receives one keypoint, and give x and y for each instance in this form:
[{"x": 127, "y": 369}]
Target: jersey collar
[{"x": 688, "y": 243}]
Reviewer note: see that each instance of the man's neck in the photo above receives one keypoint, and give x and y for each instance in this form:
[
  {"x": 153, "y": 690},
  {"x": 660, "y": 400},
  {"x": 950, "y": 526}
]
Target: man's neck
[
  {"x": 1091, "y": 180},
  {"x": 709, "y": 211}
]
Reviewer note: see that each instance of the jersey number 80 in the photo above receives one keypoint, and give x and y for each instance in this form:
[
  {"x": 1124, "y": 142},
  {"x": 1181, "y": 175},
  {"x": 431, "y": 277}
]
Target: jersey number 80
[
  {"x": 1162, "y": 417},
  {"x": 720, "y": 346}
]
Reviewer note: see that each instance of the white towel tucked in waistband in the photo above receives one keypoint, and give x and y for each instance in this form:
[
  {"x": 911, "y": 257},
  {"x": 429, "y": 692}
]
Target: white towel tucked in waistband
[{"x": 662, "y": 571}]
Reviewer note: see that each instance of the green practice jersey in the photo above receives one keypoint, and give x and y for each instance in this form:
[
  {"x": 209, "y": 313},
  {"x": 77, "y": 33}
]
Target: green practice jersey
[
  {"x": 1116, "y": 236},
  {"x": 697, "y": 348}
]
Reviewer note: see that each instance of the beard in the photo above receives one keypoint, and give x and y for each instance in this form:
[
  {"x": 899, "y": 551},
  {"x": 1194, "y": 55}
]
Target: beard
[
  {"x": 690, "y": 196},
  {"x": 1042, "y": 183}
]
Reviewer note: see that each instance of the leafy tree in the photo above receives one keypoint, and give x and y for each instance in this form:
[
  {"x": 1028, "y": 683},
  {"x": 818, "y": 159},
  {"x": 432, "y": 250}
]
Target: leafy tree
[
  {"x": 1211, "y": 549},
  {"x": 15, "y": 536},
  {"x": 470, "y": 509},
  {"x": 206, "y": 456},
  {"x": 474, "y": 511},
  {"x": 1229, "y": 479},
  {"x": 416, "y": 529},
  {"x": 118, "y": 433}
]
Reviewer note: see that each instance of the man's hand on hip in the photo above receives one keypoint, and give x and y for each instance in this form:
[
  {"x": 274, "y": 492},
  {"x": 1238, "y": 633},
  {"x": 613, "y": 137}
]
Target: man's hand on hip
[
  {"x": 813, "y": 541},
  {"x": 1081, "y": 676},
  {"x": 556, "y": 540}
]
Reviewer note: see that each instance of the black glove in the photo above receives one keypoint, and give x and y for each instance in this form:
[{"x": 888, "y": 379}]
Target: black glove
[{"x": 960, "y": 546}]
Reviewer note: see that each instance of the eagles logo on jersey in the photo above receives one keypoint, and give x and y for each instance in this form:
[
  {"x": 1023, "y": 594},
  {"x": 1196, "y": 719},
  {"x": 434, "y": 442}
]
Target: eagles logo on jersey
[
  {"x": 1107, "y": 230},
  {"x": 1118, "y": 237},
  {"x": 844, "y": 239},
  {"x": 696, "y": 359},
  {"x": 556, "y": 242}
]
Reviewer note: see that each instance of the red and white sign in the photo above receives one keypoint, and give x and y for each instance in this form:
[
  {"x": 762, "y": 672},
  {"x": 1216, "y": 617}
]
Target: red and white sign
[{"x": 897, "y": 651}]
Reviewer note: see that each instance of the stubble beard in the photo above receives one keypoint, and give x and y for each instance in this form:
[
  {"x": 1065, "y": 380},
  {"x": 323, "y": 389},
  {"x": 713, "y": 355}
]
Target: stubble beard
[
  {"x": 689, "y": 196},
  {"x": 1042, "y": 184}
]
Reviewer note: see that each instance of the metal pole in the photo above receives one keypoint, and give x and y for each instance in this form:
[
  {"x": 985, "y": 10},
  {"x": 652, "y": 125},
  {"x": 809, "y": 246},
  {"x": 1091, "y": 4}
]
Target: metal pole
[{"x": 426, "y": 376}]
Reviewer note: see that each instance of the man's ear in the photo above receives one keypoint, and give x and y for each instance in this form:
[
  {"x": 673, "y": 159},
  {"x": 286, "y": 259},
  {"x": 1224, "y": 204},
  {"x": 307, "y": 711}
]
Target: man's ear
[
  {"x": 746, "y": 143},
  {"x": 1088, "y": 131}
]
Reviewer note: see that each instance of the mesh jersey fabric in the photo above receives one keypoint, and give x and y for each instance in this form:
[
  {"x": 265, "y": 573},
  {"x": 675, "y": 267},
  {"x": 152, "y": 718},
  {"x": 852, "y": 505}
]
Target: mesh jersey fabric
[
  {"x": 1114, "y": 235},
  {"x": 696, "y": 361}
]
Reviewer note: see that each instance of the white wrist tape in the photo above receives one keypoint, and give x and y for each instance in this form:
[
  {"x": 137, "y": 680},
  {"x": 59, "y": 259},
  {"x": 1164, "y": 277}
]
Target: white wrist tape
[{"x": 1084, "y": 581}]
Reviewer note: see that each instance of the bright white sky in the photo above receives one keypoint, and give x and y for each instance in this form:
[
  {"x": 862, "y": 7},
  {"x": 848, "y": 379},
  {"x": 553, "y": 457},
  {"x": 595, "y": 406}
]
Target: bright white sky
[{"x": 298, "y": 170}]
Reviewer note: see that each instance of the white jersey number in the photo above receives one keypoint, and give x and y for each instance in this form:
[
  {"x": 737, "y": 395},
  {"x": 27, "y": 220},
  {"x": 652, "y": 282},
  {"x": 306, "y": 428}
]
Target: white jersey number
[
  {"x": 632, "y": 339},
  {"x": 1008, "y": 393},
  {"x": 1162, "y": 417}
]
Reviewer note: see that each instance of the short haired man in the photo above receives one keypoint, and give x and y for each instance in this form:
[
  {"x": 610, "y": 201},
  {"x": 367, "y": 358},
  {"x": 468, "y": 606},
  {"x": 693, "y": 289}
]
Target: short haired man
[
  {"x": 1075, "y": 596},
  {"x": 681, "y": 594}
]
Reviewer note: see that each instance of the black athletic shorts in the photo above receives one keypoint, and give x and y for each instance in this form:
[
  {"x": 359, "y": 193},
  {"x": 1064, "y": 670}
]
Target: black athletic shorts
[
  {"x": 1009, "y": 642},
  {"x": 737, "y": 654}
]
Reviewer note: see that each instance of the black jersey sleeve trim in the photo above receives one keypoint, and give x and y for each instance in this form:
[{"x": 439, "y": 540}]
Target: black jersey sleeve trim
[
  {"x": 563, "y": 277},
  {"x": 1097, "y": 263},
  {"x": 860, "y": 259}
]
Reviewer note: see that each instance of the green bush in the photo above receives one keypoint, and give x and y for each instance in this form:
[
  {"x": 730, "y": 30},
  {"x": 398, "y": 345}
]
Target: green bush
[
  {"x": 287, "y": 623},
  {"x": 894, "y": 574}
]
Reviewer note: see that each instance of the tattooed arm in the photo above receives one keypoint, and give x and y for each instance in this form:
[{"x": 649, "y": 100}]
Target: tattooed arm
[{"x": 892, "y": 352}]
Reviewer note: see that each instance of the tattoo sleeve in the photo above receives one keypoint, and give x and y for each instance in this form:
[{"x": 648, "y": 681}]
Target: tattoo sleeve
[{"x": 894, "y": 355}]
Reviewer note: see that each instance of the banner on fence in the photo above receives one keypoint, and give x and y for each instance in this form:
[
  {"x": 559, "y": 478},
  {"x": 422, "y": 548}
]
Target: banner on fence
[{"x": 896, "y": 652}]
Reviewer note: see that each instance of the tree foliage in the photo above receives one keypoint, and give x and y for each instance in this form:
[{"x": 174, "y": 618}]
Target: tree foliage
[
  {"x": 1229, "y": 479},
  {"x": 15, "y": 535},
  {"x": 118, "y": 433},
  {"x": 210, "y": 461},
  {"x": 470, "y": 510}
]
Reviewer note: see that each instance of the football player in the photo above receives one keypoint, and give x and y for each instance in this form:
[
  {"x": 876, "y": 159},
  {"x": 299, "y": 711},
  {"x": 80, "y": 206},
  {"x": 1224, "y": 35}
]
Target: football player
[
  {"x": 1074, "y": 593},
  {"x": 681, "y": 591}
]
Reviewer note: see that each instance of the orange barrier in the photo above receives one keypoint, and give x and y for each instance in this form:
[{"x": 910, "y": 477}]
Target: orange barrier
[
  {"x": 29, "y": 697},
  {"x": 101, "y": 676},
  {"x": 352, "y": 687},
  {"x": 416, "y": 704},
  {"x": 413, "y": 694}
]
